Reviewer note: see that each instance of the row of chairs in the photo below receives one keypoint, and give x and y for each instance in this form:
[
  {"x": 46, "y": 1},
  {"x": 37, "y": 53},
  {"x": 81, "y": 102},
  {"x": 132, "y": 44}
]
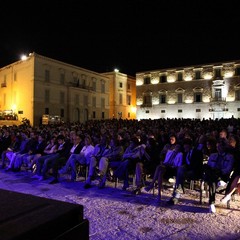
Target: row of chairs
[
  {"x": 196, "y": 184},
  {"x": 201, "y": 186}
]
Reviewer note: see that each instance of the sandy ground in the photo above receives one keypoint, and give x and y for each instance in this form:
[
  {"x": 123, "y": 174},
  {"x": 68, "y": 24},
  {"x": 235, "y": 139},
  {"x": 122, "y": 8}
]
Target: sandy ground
[{"x": 116, "y": 214}]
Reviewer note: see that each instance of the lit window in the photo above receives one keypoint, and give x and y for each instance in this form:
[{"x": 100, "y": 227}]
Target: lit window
[{"x": 47, "y": 76}]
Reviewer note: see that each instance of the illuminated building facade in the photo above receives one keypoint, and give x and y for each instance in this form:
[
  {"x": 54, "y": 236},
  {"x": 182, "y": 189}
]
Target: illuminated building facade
[
  {"x": 122, "y": 97},
  {"x": 199, "y": 91},
  {"x": 40, "y": 85}
]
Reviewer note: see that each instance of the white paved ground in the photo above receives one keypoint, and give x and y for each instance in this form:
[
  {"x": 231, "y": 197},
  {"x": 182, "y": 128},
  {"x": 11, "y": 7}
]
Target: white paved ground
[{"x": 116, "y": 214}]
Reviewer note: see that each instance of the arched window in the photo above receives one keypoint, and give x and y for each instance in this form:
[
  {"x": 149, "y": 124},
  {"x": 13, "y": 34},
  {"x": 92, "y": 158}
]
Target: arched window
[{"x": 162, "y": 96}]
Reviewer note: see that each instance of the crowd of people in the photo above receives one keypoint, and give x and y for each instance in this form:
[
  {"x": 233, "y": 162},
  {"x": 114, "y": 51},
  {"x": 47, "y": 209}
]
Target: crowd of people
[{"x": 187, "y": 149}]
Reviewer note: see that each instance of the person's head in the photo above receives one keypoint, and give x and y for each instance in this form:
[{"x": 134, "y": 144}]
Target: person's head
[
  {"x": 6, "y": 132},
  {"x": 120, "y": 136},
  {"x": 53, "y": 139},
  {"x": 151, "y": 142},
  {"x": 105, "y": 140},
  {"x": 32, "y": 134},
  {"x": 173, "y": 139},
  {"x": 87, "y": 140},
  {"x": 223, "y": 133},
  {"x": 77, "y": 139},
  {"x": 72, "y": 134},
  {"x": 211, "y": 143},
  {"x": 41, "y": 137},
  {"x": 60, "y": 139},
  {"x": 233, "y": 141},
  {"x": 24, "y": 134},
  {"x": 114, "y": 141},
  {"x": 134, "y": 142}
]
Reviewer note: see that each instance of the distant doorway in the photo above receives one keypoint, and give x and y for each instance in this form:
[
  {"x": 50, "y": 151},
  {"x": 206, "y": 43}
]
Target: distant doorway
[{"x": 76, "y": 116}]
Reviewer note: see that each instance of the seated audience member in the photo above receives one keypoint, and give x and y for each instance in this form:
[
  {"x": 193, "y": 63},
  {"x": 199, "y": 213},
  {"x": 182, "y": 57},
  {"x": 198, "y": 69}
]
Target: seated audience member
[
  {"x": 26, "y": 157},
  {"x": 172, "y": 141},
  {"x": 234, "y": 182},
  {"x": 218, "y": 170},
  {"x": 148, "y": 163},
  {"x": 51, "y": 148},
  {"x": 131, "y": 156},
  {"x": 5, "y": 142},
  {"x": 73, "y": 147},
  {"x": 191, "y": 168},
  {"x": 13, "y": 147},
  {"x": 23, "y": 149},
  {"x": 83, "y": 158},
  {"x": 169, "y": 145},
  {"x": 100, "y": 150},
  {"x": 111, "y": 158},
  {"x": 30, "y": 158},
  {"x": 151, "y": 161},
  {"x": 167, "y": 169},
  {"x": 235, "y": 185},
  {"x": 211, "y": 147},
  {"x": 44, "y": 163}
]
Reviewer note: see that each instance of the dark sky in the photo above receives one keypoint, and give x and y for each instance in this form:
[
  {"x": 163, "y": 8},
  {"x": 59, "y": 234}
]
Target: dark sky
[{"x": 132, "y": 35}]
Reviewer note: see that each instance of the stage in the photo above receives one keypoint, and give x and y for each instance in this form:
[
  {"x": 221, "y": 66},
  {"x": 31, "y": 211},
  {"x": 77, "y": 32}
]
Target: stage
[{"x": 23, "y": 216}]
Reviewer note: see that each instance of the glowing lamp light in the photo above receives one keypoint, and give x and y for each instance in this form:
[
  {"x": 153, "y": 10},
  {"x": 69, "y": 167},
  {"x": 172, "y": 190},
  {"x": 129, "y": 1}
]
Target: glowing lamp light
[
  {"x": 188, "y": 78},
  {"x": 171, "y": 79},
  {"x": 207, "y": 76},
  {"x": 171, "y": 102},
  {"x": 133, "y": 109},
  {"x": 155, "y": 81},
  {"x": 206, "y": 100},
  {"x": 14, "y": 107},
  {"x": 116, "y": 70},
  {"x": 155, "y": 101},
  {"x": 228, "y": 74},
  {"x": 230, "y": 99},
  {"x": 139, "y": 82},
  {"x": 24, "y": 57},
  {"x": 188, "y": 101}
]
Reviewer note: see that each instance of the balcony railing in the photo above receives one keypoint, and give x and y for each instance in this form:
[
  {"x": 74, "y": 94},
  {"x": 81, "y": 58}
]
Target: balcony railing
[
  {"x": 146, "y": 105},
  {"x": 82, "y": 86},
  {"x": 218, "y": 110},
  {"x": 218, "y": 99}
]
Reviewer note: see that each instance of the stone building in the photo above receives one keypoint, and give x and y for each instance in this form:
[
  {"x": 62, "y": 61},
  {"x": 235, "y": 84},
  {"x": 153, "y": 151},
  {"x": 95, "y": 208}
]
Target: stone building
[
  {"x": 40, "y": 86},
  {"x": 122, "y": 97},
  {"x": 199, "y": 91}
]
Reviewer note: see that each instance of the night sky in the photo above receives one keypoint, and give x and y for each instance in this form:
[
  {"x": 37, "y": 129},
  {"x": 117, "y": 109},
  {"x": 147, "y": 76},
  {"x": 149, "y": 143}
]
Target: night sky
[{"x": 131, "y": 35}]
